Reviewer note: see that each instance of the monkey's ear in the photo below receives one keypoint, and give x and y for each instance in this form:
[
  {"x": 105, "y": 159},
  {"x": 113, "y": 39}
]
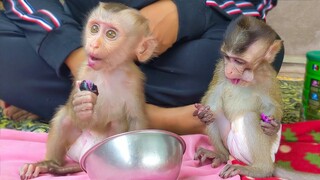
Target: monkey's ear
[
  {"x": 273, "y": 50},
  {"x": 146, "y": 49}
]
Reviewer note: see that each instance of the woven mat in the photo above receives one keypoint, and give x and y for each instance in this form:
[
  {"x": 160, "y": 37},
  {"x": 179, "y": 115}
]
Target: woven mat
[{"x": 291, "y": 90}]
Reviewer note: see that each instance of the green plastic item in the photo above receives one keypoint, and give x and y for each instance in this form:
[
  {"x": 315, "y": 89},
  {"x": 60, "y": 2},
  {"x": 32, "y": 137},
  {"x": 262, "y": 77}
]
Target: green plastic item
[{"x": 311, "y": 90}]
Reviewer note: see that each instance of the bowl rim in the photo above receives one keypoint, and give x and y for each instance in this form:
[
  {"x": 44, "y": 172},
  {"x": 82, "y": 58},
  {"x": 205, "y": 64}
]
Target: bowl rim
[{"x": 180, "y": 139}]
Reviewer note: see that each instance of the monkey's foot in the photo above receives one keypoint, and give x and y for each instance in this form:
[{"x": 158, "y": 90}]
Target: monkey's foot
[
  {"x": 203, "y": 154},
  {"x": 230, "y": 171}
]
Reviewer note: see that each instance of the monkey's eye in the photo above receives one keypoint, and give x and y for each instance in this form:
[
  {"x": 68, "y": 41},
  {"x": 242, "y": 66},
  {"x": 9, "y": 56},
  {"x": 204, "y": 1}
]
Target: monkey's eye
[
  {"x": 94, "y": 28},
  {"x": 111, "y": 34},
  {"x": 239, "y": 61}
]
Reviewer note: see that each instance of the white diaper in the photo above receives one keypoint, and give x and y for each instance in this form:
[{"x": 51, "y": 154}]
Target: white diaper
[
  {"x": 238, "y": 147},
  {"x": 85, "y": 141}
]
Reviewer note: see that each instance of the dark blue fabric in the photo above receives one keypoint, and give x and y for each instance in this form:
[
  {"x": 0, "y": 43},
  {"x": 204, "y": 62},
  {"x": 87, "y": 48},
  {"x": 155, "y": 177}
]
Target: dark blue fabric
[
  {"x": 26, "y": 80},
  {"x": 34, "y": 77}
]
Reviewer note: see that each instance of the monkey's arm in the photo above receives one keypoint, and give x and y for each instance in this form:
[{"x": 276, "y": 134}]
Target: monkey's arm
[
  {"x": 136, "y": 116},
  {"x": 213, "y": 96},
  {"x": 219, "y": 129},
  {"x": 135, "y": 107},
  {"x": 272, "y": 108},
  {"x": 83, "y": 104},
  {"x": 218, "y": 132}
]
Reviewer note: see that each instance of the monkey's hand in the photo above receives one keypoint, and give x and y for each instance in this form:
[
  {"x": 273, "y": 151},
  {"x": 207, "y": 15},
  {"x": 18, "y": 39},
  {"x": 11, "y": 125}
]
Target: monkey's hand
[
  {"x": 203, "y": 113},
  {"x": 29, "y": 171},
  {"x": 271, "y": 127},
  {"x": 83, "y": 104},
  {"x": 203, "y": 154}
]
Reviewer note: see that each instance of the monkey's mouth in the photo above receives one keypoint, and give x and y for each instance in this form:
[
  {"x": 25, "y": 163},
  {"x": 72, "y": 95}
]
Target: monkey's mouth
[
  {"x": 92, "y": 60},
  {"x": 235, "y": 81}
]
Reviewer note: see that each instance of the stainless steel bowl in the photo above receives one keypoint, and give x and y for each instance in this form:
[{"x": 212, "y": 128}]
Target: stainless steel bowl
[{"x": 143, "y": 154}]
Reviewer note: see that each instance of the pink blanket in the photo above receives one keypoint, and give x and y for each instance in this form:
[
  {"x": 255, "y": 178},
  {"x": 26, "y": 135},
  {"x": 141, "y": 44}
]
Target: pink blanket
[{"x": 18, "y": 147}]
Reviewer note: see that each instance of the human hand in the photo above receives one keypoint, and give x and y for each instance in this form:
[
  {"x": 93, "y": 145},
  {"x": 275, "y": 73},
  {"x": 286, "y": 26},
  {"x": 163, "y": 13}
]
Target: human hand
[{"x": 203, "y": 113}]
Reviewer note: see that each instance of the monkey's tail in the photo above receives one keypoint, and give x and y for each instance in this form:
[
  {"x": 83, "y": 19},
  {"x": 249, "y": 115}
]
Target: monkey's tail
[{"x": 294, "y": 175}]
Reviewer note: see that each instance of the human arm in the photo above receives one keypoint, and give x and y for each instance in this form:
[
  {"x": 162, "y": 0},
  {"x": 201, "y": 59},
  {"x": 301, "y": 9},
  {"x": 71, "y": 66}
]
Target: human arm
[
  {"x": 178, "y": 20},
  {"x": 179, "y": 120},
  {"x": 51, "y": 32},
  {"x": 75, "y": 59},
  {"x": 194, "y": 15}
]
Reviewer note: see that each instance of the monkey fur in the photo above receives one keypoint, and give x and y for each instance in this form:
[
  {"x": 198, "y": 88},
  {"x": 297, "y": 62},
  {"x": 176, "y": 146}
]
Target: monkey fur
[{"x": 244, "y": 85}]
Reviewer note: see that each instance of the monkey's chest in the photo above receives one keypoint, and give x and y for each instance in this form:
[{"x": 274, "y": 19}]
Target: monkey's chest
[
  {"x": 113, "y": 102},
  {"x": 239, "y": 102},
  {"x": 113, "y": 95}
]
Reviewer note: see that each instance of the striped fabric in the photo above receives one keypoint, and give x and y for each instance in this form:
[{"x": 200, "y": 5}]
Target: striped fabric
[
  {"x": 44, "y": 18},
  {"x": 234, "y": 8}
]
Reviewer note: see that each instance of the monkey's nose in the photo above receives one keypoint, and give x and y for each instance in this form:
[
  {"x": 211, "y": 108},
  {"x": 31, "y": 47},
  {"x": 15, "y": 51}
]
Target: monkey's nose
[{"x": 96, "y": 43}]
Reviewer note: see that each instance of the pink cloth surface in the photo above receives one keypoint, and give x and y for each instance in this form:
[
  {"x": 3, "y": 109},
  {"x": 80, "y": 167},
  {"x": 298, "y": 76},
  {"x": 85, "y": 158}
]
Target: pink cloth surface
[{"x": 18, "y": 148}]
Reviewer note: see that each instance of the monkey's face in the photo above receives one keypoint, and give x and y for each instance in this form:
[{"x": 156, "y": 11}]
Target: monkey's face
[
  {"x": 104, "y": 42},
  {"x": 236, "y": 69},
  {"x": 240, "y": 68}
]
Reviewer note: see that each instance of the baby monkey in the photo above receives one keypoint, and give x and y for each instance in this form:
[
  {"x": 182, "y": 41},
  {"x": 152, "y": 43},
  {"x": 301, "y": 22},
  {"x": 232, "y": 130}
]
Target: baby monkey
[
  {"x": 243, "y": 90},
  {"x": 111, "y": 99}
]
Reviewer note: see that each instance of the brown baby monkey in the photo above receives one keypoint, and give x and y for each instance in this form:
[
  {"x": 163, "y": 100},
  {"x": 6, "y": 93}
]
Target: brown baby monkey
[
  {"x": 112, "y": 97},
  {"x": 244, "y": 90}
]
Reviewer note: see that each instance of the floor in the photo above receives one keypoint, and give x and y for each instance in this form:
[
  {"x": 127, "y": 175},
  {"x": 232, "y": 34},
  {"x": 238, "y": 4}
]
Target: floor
[
  {"x": 297, "y": 23},
  {"x": 293, "y": 67}
]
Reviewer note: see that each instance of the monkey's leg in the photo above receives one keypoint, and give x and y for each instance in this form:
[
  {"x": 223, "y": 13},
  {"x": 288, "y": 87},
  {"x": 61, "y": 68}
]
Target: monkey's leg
[
  {"x": 220, "y": 154},
  {"x": 66, "y": 133},
  {"x": 61, "y": 135},
  {"x": 259, "y": 148}
]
